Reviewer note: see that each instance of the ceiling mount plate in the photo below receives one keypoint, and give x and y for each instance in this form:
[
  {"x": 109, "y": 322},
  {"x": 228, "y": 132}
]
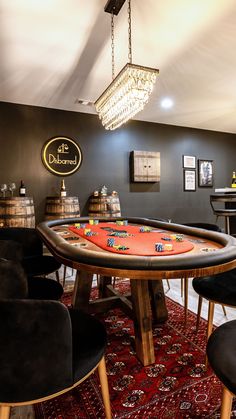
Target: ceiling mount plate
[{"x": 114, "y": 6}]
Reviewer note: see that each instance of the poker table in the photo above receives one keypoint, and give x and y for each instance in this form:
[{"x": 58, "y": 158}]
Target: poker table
[{"x": 144, "y": 250}]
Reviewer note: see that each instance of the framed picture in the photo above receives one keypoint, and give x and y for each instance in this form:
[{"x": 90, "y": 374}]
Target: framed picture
[
  {"x": 189, "y": 162},
  {"x": 205, "y": 173},
  {"x": 189, "y": 180}
]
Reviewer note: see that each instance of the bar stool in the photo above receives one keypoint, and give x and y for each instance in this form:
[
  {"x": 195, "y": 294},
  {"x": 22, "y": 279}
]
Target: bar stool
[
  {"x": 221, "y": 353},
  {"x": 227, "y": 213}
]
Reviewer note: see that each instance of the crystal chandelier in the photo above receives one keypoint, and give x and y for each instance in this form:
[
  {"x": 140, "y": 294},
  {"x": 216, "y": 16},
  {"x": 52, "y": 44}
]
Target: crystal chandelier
[{"x": 129, "y": 91}]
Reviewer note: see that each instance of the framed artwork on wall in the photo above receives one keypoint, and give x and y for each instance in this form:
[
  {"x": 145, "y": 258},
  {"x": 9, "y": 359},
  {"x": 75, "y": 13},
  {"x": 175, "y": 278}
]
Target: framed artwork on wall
[
  {"x": 205, "y": 173},
  {"x": 189, "y": 162},
  {"x": 189, "y": 180}
]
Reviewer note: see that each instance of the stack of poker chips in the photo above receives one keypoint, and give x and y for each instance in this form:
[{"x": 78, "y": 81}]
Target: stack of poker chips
[
  {"x": 144, "y": 229},
  {"x": 120, "y": 247},
  {"x": 119, "y": 234},
  {"x": 159, "y": 247},
  {"x": 93, "y": 222},
  {"x": 110, "y": 242},
  {"x": 122, "y": 222},
  {"x": 177, "y": 237},
  {"x": 169, "y": 247}
]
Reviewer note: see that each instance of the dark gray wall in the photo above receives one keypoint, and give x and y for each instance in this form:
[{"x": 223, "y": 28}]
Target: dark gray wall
[{"x": 24, "y": 130}]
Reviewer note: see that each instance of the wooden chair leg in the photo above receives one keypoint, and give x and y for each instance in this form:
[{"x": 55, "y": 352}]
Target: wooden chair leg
[
  {"x": 224, "y": 311},
  {"x": 168, "y": 284},
  {"x": 209, "y": 324},
  {"x": 64, "y": 276},
  {"x": 227, "y": 225},
  {"x": 57, "y": 276},
  {"x": 199, "y": 309},
  {"x": 226, "y": 404},
  {"x": 97, "y": 278},
  {"x": 210, "y": 318},
  {"x": 104, "y": 387},
  {"x": 114, "y": 281},
  {"x": 182, "y": 287},
  {"x": 5, "y": 412},
  {"x": 185, "y": 300}
]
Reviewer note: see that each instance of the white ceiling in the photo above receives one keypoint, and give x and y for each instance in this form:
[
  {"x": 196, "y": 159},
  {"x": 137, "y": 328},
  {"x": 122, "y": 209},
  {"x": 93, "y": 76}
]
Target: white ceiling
[{"x": 54, "y": 52}]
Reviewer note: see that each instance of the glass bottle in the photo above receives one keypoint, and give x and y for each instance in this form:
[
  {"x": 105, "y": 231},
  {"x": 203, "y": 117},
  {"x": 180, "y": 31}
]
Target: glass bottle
[
  {"x": 22, "y": 189},
  {"x": 63, "y": 189},
  {"x": 233, "y": 183}
]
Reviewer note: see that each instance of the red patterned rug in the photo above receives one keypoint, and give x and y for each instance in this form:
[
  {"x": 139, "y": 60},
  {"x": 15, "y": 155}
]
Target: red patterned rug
[{"x": 175, "y": 387}]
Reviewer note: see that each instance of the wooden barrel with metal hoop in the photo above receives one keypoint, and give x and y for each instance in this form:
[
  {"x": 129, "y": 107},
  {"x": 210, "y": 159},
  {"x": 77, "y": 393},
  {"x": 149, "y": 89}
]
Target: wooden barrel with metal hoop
[
  {"x": 62, "y": 207},
  {"x": 104, "y": 206},
  {"x": 17, "y": 211}
]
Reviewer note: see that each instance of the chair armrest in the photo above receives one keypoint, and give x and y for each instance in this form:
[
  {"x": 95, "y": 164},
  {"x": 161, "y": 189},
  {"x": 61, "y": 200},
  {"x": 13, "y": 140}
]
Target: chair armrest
[{"x": 35, "y": 349}]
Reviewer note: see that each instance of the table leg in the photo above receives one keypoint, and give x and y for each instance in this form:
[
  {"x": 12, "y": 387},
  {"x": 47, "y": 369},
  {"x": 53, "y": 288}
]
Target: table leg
[
  {"x": 158, "y": 302},
  {"x": 142, "y": 321},
  {"x": 103, "y": 281},
  {"x": 82, "y": 290}
]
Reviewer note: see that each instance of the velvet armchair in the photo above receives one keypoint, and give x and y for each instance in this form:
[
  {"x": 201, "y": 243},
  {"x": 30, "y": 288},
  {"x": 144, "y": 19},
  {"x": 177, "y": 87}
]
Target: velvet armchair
[
  {"x": 45, "y": 349},
  {"x": 38, "y": 287},
  {"x": 34, "y": 261}
]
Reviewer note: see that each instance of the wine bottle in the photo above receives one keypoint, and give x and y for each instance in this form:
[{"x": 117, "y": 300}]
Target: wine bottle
[
  {"x": 63, "y": 188},
  {"x": 22, "y": 189},
  {"x": 233, "y": 183}
]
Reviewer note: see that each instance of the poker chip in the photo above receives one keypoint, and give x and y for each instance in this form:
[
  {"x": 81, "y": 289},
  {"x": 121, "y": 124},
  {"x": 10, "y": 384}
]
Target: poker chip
[{"x": 159, "y": 247}]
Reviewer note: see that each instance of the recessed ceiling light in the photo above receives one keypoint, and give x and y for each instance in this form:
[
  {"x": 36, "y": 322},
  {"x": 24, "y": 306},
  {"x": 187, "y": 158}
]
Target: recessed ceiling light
[{"x": 167, "y": 103}]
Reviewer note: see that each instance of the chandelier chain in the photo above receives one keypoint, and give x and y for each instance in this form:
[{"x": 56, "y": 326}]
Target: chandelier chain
[
  {"x": 112, "y": 47},
  {"x": 129, "y": 32}
]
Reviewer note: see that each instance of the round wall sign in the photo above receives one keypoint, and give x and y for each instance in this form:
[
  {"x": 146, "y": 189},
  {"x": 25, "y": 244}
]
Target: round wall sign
[{"x": 61, "y": 156}]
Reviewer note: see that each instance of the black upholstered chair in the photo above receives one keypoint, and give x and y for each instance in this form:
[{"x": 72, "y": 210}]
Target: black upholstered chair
[
  {"x": 38, "y": 287},
  {"x": 45, "y": 349},
  {"x": 221, "y": 353},
  {"x": 219, "y": 288},
  {"x": 34, "y": 261},
  {"x": 206, "y": 226},
  {"x": 184, "y": 281}
]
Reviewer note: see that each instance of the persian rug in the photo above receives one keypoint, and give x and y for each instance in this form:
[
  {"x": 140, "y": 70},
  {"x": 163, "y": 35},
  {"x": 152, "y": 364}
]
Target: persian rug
[{"x": 177, "y": 386}]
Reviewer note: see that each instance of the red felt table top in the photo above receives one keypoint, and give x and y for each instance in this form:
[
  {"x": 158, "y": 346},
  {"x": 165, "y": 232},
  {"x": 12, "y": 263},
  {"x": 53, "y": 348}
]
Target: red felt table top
[{"x": 138, "y": 243}]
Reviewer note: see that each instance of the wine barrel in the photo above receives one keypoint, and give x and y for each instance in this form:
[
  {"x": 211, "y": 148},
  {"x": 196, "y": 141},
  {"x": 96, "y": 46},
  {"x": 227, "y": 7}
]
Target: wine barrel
[
  {"x": 61, "y": 207},
  {"x": 104, "y": 206},
  {"x": 17, "y": 211}
]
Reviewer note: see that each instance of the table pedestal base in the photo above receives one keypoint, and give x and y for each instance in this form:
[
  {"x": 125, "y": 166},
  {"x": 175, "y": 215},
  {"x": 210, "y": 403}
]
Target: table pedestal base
[{"x": 147, "y": 306}]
